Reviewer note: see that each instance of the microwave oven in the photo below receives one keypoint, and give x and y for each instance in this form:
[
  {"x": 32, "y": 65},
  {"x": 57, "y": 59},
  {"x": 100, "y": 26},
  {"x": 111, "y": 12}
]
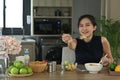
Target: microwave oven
[{"x": 47, "y": 27}]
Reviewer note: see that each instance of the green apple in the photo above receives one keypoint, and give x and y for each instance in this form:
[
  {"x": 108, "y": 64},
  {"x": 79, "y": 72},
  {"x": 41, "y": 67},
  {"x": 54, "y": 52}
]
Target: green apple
[
  {"x": 29, "y": 69},
  {"x": 14, "y": 70},
  {"x": 66, "y": 63},
  {"x": 23, "y": 71},
  {"x": 18, "y": 64},
  {"x": 9, "y": 68}
]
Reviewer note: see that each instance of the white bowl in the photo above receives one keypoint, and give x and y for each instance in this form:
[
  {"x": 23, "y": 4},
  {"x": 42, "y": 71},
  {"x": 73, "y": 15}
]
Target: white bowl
[{"x": 93, "y": 67}]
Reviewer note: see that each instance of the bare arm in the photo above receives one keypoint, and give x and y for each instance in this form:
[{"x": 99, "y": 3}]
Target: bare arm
[
  {"x": 106, "y": 50},
  {"x": 72, "y": 44},
  {"x": 67, "y": 38}
]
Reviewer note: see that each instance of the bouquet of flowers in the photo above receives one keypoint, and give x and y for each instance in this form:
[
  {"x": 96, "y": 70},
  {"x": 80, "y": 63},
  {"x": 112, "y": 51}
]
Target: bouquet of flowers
[{"x": 9, "y": 45}]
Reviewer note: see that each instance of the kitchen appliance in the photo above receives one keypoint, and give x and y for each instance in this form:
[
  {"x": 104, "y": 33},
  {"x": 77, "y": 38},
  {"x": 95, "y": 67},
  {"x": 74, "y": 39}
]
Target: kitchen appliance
[
  {"x": 47, "y": 27},
  {"x": 49, "y": 48},
  {"x": 54, "y": 54}
]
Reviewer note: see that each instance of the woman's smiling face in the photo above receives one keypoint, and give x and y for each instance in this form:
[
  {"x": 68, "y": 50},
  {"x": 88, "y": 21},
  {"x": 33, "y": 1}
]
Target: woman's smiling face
[{"x": 86, "y": 27}]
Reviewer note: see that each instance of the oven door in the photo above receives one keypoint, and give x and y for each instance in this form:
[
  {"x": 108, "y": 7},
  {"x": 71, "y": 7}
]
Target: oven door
[
  {"x": 45, "y": 50},
  {"x": 52, "y": 53},
  {"x": 47, "y": 26}
]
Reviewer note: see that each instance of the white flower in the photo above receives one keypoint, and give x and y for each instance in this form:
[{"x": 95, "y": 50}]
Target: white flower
[{"x": 10, "y": 45}]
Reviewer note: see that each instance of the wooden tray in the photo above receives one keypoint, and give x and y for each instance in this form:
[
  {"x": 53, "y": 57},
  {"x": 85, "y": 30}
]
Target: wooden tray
[
  {"x": 114, "y": 73},
  {"x": 19, "y": 75}
]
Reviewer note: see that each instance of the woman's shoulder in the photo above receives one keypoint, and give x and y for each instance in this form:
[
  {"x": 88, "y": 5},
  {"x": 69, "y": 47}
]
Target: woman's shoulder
[{"x": 104, "y": 39}]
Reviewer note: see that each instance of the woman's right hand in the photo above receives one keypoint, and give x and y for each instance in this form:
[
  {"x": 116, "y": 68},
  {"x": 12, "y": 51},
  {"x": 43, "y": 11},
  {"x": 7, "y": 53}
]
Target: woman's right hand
[{"x": 67, "y": 38}]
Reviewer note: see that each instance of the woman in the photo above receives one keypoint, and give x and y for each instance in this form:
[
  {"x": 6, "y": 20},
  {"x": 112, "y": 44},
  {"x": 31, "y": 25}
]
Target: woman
[{"x": 88, "y": 47}]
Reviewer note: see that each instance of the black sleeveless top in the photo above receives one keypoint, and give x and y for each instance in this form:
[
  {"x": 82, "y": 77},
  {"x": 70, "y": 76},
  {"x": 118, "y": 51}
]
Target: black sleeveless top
[{"x": 89, "y": 51}]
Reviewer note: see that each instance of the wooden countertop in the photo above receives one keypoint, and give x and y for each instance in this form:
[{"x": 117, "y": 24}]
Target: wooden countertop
[{"x": 68, "y": 75}]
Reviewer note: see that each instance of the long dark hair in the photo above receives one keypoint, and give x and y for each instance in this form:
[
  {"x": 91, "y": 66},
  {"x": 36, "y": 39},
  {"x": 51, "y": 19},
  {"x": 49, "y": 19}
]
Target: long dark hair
[{"x": 90, "y": 17}]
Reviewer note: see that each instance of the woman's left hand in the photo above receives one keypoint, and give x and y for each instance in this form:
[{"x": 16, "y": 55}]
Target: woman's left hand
[{"x": 105, "y": 60}]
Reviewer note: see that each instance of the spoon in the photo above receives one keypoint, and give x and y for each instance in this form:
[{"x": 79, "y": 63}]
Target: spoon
[{"x": 101, "y": 59}]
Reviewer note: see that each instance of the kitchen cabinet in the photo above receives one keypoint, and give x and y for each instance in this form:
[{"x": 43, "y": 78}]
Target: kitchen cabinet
[{"x": 53, "y": 9}]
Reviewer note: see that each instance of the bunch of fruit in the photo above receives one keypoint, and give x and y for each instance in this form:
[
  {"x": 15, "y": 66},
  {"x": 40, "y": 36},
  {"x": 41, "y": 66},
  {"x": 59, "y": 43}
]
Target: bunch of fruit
[
  {"x": 38, "y": 66},
  {"x": 69, "y": 66},
  {"x": 115, "y": 67},
  {"x": 18, "y": 67}
]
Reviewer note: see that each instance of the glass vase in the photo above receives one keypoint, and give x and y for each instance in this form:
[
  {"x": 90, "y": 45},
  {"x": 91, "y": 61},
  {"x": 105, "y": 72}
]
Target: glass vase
[
  {"x": 11, "y": 58},
  {"x": 4, "y": 66}
]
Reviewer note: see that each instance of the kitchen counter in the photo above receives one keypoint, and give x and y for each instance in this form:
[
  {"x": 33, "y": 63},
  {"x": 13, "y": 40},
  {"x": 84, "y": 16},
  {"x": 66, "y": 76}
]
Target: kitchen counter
[
  {"x": 68, "y": 75},
  {"x": 27, "y": 40}
]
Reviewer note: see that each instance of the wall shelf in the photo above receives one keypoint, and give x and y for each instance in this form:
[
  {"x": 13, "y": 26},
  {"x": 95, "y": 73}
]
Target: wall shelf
[{"x": 48, "y": 9}]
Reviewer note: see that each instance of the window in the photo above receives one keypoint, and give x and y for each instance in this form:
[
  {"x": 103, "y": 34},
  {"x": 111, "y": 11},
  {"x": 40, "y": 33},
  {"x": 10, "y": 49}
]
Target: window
[
  {"x": 14, "y": 14},
  {"x": 1, "y": 13},
  {"x": 13, "y": 17}
]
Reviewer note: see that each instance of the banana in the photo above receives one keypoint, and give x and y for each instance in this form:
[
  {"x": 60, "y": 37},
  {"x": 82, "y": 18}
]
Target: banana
[
  {"x": 73, "y": 66},
  {"x": 70, "y": 67},
  {"x": 83, "y": 37}
]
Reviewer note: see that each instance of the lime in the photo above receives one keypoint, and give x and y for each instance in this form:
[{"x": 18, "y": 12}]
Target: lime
[{"x": 112, "y": 66}]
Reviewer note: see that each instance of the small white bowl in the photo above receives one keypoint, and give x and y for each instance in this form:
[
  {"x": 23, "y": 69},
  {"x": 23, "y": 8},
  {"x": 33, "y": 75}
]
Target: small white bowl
[{"x": 93, "y": 67}]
